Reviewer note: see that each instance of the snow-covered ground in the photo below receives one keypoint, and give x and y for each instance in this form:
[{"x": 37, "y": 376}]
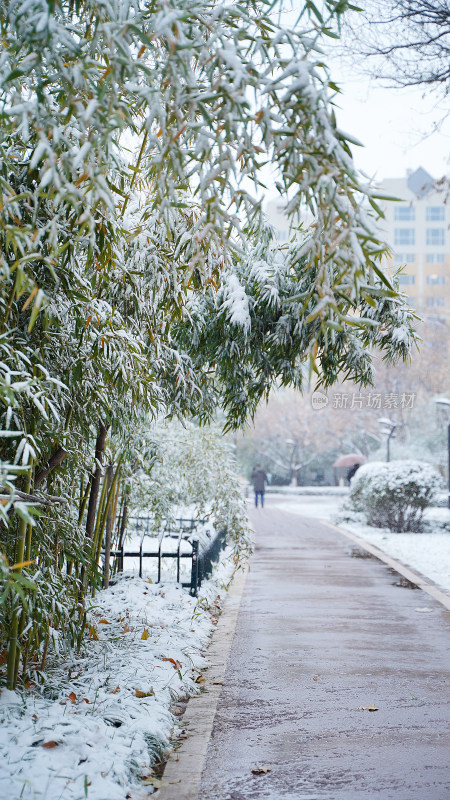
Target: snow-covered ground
[
  {"x": 427, "y": 552},
  {"x": 104, "y": 718}
]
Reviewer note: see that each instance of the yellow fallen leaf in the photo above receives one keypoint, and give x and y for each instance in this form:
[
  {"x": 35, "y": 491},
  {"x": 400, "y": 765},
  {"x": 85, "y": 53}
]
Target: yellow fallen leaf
[
  {"x": 155, "y": 782},
  {"x": 144, "y": 694},
  {"x": 145, "y": 635},
  {"x": 368, "y": 708},
  {"x": 104, "y": 622},
  {"x": 200, "y": 679},
  {"x": 261, "y": 770},
  {"x": 93, "y": 633}
]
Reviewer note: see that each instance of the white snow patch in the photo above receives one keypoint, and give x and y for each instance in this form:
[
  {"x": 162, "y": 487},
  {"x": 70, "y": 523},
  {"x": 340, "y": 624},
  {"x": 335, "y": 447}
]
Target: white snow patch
[{"x": 102, "y": 738}]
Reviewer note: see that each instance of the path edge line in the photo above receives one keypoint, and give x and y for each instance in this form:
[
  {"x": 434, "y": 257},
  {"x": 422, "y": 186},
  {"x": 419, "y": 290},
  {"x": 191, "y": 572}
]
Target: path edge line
[
  {"x": 183, "y": 771},
  {"x": 410, "y": 574}
]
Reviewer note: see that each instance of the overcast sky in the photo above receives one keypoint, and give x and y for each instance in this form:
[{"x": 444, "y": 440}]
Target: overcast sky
[{"x": 397, "y": 127}]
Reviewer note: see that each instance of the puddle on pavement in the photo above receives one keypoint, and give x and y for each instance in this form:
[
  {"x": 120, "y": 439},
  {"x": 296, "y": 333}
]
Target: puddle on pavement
[
  {"x": 356, "y": 552},
  {"x": 402, "y": 582}
]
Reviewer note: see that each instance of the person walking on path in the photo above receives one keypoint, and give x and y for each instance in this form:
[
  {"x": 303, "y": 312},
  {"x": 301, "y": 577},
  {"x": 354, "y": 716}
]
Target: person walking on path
[{"x": 259, "y": 479}]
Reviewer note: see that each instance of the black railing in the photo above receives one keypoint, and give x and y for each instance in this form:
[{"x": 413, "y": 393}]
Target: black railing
[{"x": 203, "y": 553}]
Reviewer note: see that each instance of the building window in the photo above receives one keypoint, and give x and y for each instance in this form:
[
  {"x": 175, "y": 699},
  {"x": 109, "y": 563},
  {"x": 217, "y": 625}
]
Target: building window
[
  {"x": 404, "y": 236},
  {"x": 435, "y": 237},
  {"x": 405, "y": 258},
  {"x": 406, "y": 280},
  {"x": 435, "y": 213},
  {"x": 435, "y": 302},
  {"x": 404, "y": 213},
  {"x": 435, "y": 258},
  {"x": 435, "y": 280}
]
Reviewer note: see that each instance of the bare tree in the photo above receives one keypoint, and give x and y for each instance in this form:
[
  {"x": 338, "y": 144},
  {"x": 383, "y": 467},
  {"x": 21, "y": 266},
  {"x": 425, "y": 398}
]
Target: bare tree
[{"x": 408, "y": 41}]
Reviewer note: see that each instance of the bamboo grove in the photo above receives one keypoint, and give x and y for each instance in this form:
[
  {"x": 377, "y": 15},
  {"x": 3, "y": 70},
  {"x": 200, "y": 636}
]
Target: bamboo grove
[{"x": 133, "y": 141}]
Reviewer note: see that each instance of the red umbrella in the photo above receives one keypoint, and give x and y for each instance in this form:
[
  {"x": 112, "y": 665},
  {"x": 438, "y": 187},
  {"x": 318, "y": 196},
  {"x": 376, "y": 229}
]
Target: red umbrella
[{"x": 350, "y": 460}]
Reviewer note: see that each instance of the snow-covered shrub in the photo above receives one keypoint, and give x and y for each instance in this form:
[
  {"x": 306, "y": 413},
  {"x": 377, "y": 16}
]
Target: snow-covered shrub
[
  {"x": 394, "y": 495},
  {"x": 191, "y": 471}
]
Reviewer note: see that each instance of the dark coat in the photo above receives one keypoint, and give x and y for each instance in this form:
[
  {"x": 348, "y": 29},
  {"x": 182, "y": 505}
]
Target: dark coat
[{"x": 259, "y": 479}]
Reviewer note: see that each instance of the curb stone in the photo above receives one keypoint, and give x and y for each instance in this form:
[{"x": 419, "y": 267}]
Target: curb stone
[{"x": 182, "y": 775}]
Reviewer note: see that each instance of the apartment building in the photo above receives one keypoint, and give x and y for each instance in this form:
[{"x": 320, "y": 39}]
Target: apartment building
[{"x": 417, "y": 229}]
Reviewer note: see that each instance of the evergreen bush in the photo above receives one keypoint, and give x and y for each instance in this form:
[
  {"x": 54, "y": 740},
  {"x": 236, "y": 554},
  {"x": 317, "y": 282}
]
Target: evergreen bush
[{"x": 394, "y": 495}]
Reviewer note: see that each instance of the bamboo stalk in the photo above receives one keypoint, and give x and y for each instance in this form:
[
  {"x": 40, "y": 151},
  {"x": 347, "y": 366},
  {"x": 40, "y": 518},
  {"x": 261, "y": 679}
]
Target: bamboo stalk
[
  {"x": 54, "y": 461},
  {"x": 14, "y": 629},
  {"x": 109, "y": 524},
  {"x": 100, "y": 446},
  {"x": 84, "y": 500},
  {"x": 105, "y": 511},
  {"x": 96, "y": 478}
]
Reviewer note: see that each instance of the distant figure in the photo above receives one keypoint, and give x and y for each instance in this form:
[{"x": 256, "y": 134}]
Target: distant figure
[
  {"x": 259, "y": 480},
  {"x": 352, "y": 471}
]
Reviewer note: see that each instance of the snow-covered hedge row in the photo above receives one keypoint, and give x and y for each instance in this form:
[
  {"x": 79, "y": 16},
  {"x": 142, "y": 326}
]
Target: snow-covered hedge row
[{"x": 394, "y": 495}]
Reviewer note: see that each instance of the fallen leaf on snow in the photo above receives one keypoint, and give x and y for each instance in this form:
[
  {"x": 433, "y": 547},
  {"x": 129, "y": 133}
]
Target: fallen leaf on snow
[
  {"x": 261, "y": 770},
  {"x": 368, "y": 708},
  {"x": 50, "y": 745},
  {"x": 104, "y": 622},
  {"x": 150, "y": 693},
  {"x": 72, "y": 697},
  {"x": 176, "y": 664},
  {"x": 145, "y": 635},
  {"x": 114, "y": 691},
  {"x": 200, "y": 679},
  {"x": 316, "y": 677},
  {"x": 156, "y": 782},
  {"x": 93, "y": 633}
]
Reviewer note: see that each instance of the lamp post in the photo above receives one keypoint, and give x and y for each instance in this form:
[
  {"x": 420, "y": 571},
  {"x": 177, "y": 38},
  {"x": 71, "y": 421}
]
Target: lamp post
[
  {"x": 444, "y": 402},
  {"x": 388, "y": 429}
]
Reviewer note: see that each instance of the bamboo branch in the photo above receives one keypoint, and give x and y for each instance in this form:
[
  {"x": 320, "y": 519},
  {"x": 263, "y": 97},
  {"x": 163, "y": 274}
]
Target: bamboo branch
[{"x": 46, "y": 500}]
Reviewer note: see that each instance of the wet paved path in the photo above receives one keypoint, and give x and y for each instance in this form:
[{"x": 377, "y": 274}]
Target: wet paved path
[{"x": 319, "y": 634}]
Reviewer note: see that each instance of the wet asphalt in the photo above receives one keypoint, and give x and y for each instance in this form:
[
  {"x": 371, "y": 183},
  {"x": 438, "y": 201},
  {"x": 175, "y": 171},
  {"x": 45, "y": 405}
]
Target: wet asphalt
[{"x": 322, "y": 632}]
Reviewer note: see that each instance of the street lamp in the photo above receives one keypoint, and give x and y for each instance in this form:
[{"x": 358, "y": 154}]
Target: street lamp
[
  {"x": 388, "y": 429},
  {"x": 444, "y": 402}
]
